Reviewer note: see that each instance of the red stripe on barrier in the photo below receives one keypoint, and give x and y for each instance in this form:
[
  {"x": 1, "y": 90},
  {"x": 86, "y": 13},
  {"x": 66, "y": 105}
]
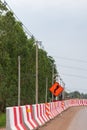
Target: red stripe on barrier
[
  {"x": 21, "y": 118},
  {"x": 15, "y": 119}
]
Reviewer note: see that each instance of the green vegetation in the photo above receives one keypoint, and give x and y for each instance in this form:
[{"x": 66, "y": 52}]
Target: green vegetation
[
  {"x": 2, "y": 120},
  {"x": 13, "y": 43},
  {"x": 75, "y": 94}
]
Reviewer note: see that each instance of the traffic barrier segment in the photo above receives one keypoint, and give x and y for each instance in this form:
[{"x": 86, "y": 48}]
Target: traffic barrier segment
[
  {"x": 28, "y": 117},
  {"x": 33, "y": 116},
  {"x": 38, "y": 118},
  {"x": 14, "y": 119},
  {"x": 43, "y": 113},
  {"x": 48, "y": 111}
]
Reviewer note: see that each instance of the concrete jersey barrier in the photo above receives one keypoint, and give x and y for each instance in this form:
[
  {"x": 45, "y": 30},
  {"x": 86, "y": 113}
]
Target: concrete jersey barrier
[{"x": 30, "y": 117}]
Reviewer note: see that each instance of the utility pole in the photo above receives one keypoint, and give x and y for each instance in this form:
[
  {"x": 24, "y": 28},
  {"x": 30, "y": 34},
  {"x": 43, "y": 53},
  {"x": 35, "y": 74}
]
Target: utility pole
[
  {"x": 36, "y": 72},
  {"x": 18, "y": 80},
  {"x": 61, "y": 95},
  {"x": 57, "y": 79},
  {"x": 46, "y": 89},
  {"x": 63, "y": 90},
  {"x": 37, "y": 43},
  {"x": 52, "y": 79}
]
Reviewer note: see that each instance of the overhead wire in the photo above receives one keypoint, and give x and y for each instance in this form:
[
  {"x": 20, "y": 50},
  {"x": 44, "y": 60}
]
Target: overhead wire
[
  {"x": 25, "y": 28},
  {"x": 73, "y": 75},
  {"x": 71, "y": 67},
  {"x": 71, "y": 59}
]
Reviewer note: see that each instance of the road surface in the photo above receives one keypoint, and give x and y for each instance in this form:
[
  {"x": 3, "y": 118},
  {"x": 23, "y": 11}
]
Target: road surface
[
  {"x": 74, "y": 118},
  {"x": 79, "y": 121}
]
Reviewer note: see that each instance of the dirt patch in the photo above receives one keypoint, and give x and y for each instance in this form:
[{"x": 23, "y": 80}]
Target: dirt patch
[{"x": 62, "y": 121}]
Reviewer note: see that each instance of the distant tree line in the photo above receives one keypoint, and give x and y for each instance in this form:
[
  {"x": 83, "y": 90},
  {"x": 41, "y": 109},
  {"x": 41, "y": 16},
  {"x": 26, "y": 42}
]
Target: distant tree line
[{"x": 75, "y": 94}]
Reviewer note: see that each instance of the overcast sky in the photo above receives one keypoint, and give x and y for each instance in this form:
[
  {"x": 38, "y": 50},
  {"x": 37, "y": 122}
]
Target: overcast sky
[{"x": 61, "y": 25}]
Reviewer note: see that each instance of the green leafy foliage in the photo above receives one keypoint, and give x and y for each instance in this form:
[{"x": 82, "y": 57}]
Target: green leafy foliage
[
  {"x": 14, "y": 43},
  {"x": 75, "y": 94}
]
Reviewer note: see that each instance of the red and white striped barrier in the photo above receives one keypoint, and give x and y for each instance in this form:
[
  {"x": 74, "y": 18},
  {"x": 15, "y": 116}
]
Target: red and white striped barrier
[
  {"x": 59, "y": 108},
  {"x": 44, "y": 112},
  {"x": 14, "y": 120},
  {"x": 52, "y": 109},
  {"x": 55, "y": 108},
  {"x": 66, "y": 104},
  {"x": 48, "y": 111},
  {"x": 42, "y": 108},
  {"x": 28, "y": 117},
  {"x": 81, "y": 102},
  {"x": 37, "y": 114},
  {"x": 52, "y": 114},
  {"x": 85, "y": 102},
  {"x": 32, "y": 116}
]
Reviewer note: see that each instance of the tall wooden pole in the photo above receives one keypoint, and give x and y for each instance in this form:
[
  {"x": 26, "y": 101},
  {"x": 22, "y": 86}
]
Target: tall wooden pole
[
  {"x": 18, "y": 80},
  {"x": 36, "y": 72},
  {"x": 52, "y": 79},
  {"x": 46, "y": 89}
]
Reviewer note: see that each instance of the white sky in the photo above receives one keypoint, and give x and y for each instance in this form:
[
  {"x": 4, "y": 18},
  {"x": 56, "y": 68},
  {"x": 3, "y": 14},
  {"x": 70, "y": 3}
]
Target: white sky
[{"x": 61, "y": 25}]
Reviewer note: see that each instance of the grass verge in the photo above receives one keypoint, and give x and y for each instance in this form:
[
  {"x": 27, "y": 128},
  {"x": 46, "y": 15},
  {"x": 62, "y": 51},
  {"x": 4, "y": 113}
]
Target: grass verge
[{"x": 2, "y": 120}]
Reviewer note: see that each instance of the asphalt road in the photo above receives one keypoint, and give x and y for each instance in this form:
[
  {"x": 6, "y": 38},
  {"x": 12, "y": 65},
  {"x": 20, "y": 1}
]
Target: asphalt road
[
  {"x": 75, "y": 118},
  {"x": 79, "y": 121}
]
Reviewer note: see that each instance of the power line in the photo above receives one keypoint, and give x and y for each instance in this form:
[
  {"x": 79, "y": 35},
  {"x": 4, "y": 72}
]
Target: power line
[
  {"x": 76, "y": 76},
  {"x": 71, "y": 67},
  {"x": 71, "y": 59},
  {"x": 25, "y": 28}
]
